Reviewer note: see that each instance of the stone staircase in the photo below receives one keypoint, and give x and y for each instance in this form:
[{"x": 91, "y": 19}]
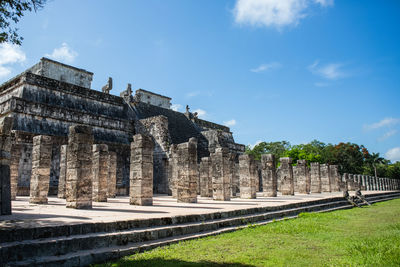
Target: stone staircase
[{"x": 84, "y": 244}]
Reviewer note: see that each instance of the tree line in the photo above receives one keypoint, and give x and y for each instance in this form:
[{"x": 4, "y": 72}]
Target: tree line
[{"x": 350, "y": 157}]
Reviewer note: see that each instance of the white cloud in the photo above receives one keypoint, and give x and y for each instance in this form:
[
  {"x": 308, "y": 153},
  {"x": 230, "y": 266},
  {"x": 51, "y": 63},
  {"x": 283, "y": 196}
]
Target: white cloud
[
  {"x": 63, "y": 53},
  {"x": 230, "y": 123},
  {"x": 266, "y": 67},
  {"x": 393, "y": 154},
  {"x": 253, "y": 145},
  {"x": 330, "y": 71},
  {"x": 273, "y": 13},
  {"x": 192, "y": 94},
  {"x": 383, "y": 123},
  {"x": 387, "y": 135},
  {"x": 9, "y": 54},
  {"x": 200, "y": 113},
  {"x": 176, "y": 107}
]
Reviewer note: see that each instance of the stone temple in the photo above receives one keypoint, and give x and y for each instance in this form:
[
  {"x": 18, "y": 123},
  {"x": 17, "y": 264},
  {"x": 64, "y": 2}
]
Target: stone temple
[
  {"x": 177, "y": 177},
  {"x": 50, "y": 97}
]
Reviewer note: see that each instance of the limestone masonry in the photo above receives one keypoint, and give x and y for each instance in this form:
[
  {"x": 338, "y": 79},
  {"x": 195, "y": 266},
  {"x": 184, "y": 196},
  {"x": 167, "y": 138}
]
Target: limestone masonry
[{"x": 60, "y": 137}]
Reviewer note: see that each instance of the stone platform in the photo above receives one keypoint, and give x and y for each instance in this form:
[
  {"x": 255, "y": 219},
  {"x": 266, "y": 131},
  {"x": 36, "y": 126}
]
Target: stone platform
[
  {"x": 26, "y": 215},
  {"x": 53, "y": 235}
]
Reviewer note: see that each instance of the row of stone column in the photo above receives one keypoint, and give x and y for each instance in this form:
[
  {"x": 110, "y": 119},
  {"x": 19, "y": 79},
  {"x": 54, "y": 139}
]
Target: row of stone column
[{"x": 367, "y": 182}]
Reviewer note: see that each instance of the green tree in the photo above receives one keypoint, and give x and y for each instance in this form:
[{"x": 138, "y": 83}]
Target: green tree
[
  {"x": 374, "y": 160},
  {"x": 276, "y": 148},
  {"x": 11, "y": 11}
]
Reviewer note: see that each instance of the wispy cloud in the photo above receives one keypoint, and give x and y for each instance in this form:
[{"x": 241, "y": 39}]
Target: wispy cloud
[
  {"x": 273, "y": 13},
  {"x": 331, "y": 71},
  {"x": 253, "y": 145},
  {"x": 176, "y": 107},
  {"x": 200, "y": 112},
  {"x": 387, "y": 135},
  {"x": 192, "y": 94},
  {"x": 383, "y": 123},
  {"x": 266, "y": 67},
  {"x": 393, "y": 154},
  {"x": 319, "y": 84},
  {"x": 230, "y": 123},
  {"x": 63, "y": 53},
  {"x": 9, "y": 54}
]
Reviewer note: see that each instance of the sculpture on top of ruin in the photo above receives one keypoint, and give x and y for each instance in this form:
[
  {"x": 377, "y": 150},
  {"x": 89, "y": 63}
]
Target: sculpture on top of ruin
[
  {"x": 127, "y": 94},
  {"x": 107, "y": 88}
]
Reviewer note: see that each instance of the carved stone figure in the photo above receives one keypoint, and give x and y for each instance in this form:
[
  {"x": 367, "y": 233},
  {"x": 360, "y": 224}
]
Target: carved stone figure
[{"x": 107, "y": 88}]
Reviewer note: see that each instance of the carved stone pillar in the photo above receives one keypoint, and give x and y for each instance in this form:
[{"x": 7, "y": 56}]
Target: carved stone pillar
[
  {"x": 315, "y": 174},
  {"x": 300, "y": 172},
  {"x": 112, "y": 174},
  {"x": 286, "y": 176},
  {"x": 141, "y": 171},
  {"x": 270, "y": 183},
  {"x": 41, "y": 160},
  {"x": 79, "y": 167},
  {"x": 63, "y": 172},
  {"x": 100, "y": 169},
  {"x": 325, "y": 178},
  {"x": 5, "y": 148},
  {"x": 221, "y": 175},
  {"x": 187, "y": 171},
  {"x": 205, "y": 178},
  {"x": 247, "y": 180}
]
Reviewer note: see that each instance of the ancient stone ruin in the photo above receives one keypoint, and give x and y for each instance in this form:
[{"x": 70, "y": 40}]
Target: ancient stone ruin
[{"x": 61, "y": 138}]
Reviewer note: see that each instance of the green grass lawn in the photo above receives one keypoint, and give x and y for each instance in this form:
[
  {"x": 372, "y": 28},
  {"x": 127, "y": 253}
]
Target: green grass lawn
[{"x": 368, "y": 236}]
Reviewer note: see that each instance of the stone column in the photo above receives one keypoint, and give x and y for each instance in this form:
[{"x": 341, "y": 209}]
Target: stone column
[
  {"x": 63, "y": 172},
  {"x": 5, "y": 148},
  {"x": 315, "y": 172},
  {"x": 221, "y": 175},
  {"x": 173, "y": 171},
  {"x": 325, "y": 178},
  {"x": 187, "y": 171},
  {"x": 112, "y": 174},
  {"x": 345, "y": 182},
  {"x": 335, "y": 178},
  {"x": 363, "y": 182},
  {"x": 286, "y": 176},
  {"x": 205, "y": 178},
  {"x": 79, "y": 167},
  {"x": 247, "y": 177},
  {"x": 351, "y": 183},
  {"x": 300, "y": 172},
  {"x": 270, "y": 184},
  {"x": 235, "y": 176},
  {"x": 100, "y": 168},
  {"x": 258, "y": 181},
  {"x": 14, "y": 168},
  {"x": 141, "y": 171},
  {"x": 40, "y": 178}
]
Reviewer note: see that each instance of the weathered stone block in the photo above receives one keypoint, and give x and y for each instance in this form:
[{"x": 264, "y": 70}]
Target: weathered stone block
[
  {"x": 40, "y": 178},
  {"x": 5, "y": 148},
  {"x": 269, "y": 178},
  {"x": 334, "y": 178},
  {"x": 100, "y": 169},
  {"x": 141, "y": 171},
  {"x": 79, "y": 167},
  {"x": 112, "y": 174},
  {"x": 300, "y": 172},
  {"x": 286, "y": 176},
  {"x": 315, "y": 174},
  {"x": 325, "y": 178},
  {"x": 205, "y": 178},
  {"x": 248, "y": 176},
  {"x": 14, "y": 168},
  {"x": 221, "y": 174},
  {"x": 63, "y": 172}
]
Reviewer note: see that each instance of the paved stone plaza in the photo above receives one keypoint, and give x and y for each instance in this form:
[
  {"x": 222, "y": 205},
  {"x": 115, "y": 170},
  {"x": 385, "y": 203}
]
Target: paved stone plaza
[{"x": 118, "y": 209}]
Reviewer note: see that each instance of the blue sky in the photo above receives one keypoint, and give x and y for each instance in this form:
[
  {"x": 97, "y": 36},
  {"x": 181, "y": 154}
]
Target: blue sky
[{"x": 272, "y": 70}]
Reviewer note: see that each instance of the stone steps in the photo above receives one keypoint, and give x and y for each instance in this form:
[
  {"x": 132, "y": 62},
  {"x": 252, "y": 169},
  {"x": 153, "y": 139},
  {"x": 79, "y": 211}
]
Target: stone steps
[{"x": 72, "y": 250}]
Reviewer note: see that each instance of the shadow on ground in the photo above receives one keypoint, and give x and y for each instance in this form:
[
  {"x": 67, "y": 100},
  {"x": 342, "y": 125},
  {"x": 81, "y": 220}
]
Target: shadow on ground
[{"x": 169, "y": 263}]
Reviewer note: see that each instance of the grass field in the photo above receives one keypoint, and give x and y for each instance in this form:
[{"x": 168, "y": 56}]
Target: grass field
[{"x": 368, "y": 236}]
